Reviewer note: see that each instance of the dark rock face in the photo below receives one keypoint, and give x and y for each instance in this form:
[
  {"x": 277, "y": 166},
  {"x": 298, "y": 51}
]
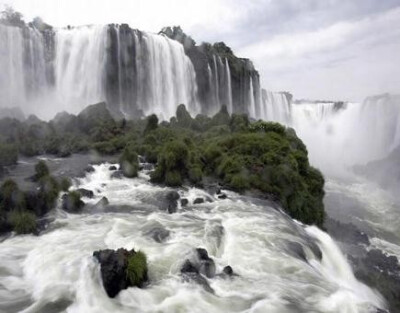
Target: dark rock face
[
  {"x": 198, "y": 201},
  {"x": 209, "y": 62},
  {"x": 71, "y": 204},
  {"x": 112, "y": 168},
  {"x": 184, "y": 202},
  {"x": 117, "y": 174},
  {"x": 159, "y": 234},
  {"x": 228, "y": 271},
  {"x": 101, "y": 204},
  {"x": 89, "y": 169},
  {"x": 207, "y": 265},
  {"x": 172, "y": 198},
  {"x": 113, "y": 266},
  {"x": 202, "y": 266},
  {"x": 296, "y": 249},
  {"x": 86, "y": 193},
  {"x": 382, "y": 272},
  {"x": 346, "y": 232}
]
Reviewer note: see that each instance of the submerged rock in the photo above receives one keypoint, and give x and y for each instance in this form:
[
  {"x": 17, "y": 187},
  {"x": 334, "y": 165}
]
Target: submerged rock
[
  {"x": 172, "y": 198},
  {"x": 85, "y": 193},
  {"x": 184, "y": 202},
  {"x": 296, "y": 249},
  {"x": 112, "y": 168},
  {"x": 89, "y": 169},
  {"x": 201, "y": 266},
  {"x": 101, "y": 204},
  {"x": 116, "y": 267},
  {"x": 117, "y": 174},
  {"x": 159, "y": 234},
  {"x": 207, "y": 265},
  {"x": 198, "y": 201}
]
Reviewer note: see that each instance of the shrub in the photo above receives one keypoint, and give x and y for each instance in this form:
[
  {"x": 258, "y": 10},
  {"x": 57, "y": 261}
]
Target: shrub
[
  {"x": 172, "y": 163},
  {"x": 152, "y": 123},
  {"x": 195, "y": 174},
  {"x": 22, "y": 222},
  {"x": 72, "y": 202},
  {"x": 262, "y": 126},
  {"x": 41, "y": 170},
  {"x": 8, "y": 154},
  {"x": 129, "y": 162},
  {"x": 239, "y": 122},
  {"x": 49, "y": 190},
  {"x": 65, "y": 184},
  {"x": 136, "y": 271},
  {"x": 239, "y": 182},
  {"x": 183, "y": 117},
  {"x": 222, "y": 117},
  {"x": 11, "y": 197},
  {"x": 173, "y": 178}
]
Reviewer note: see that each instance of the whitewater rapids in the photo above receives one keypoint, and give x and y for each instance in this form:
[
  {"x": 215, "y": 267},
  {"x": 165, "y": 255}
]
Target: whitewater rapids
[{"x": 55, "y": 272}]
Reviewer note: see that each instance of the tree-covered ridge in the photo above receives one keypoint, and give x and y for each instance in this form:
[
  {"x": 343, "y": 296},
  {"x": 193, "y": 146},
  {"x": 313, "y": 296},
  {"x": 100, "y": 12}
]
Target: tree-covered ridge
[{"x": 263, "y": 157}]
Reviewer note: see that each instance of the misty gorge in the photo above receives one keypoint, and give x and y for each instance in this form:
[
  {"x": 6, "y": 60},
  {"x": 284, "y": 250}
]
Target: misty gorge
[{"x": 145, "y": 170}]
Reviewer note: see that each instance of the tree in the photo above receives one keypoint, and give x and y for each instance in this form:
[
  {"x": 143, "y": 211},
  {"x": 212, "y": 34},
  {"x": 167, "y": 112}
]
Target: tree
[{"x": 11, "y": 17}]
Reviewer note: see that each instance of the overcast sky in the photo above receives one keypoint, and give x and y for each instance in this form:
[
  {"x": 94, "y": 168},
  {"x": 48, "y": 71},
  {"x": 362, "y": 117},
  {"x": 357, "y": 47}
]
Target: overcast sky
[{"x": 320, "y": 49}]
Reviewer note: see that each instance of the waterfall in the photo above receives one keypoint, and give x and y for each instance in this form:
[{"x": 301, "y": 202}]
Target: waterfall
[
  {"x": 22, "y": 63},
  {"x": 252, "y": 105},
  {"x": 79, "y": 63},
  {"x": 355, "y": 133},
  {"x": 276, "y": 107},
  {"x": 169, "y": 76},
  {"x": 216, "y": 81},
  {"x": 135, "y": 72},
  {"x": 228, "y": 87}
]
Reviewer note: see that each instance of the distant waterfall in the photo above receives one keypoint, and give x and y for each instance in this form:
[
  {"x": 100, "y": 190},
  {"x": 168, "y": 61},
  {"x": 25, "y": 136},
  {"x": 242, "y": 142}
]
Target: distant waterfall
[
  {"x": 275, "y": 107},
  {"x": 340, "y": 136},
  {"x": 252, "y": 104}
]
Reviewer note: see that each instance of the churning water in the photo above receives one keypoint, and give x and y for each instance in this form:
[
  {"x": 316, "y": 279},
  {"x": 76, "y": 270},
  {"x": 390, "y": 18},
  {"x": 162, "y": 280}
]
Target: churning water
[{"x": 276, "y": 258}]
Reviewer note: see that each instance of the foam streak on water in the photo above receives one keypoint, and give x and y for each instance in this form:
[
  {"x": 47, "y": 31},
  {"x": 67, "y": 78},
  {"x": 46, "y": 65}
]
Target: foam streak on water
[{"x": 55, "y": 272}]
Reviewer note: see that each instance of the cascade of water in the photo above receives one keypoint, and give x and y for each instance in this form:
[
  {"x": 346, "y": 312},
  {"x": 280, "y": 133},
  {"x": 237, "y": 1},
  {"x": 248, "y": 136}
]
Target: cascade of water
[
  {"x": 358, "y": 133},
  {"x": 252, "y": 105},
  {"x": 168, "y": 76},
  {"x": 228, "y": 87},
  {"x": 119, "y": 56},
  {"x": 79, "y": 67},
  {"x": 252, "y": 237},
  {"x": 216, "y": 81},
  {"x": 276, "y": 107},
  {"x": 23, "y": 69}
]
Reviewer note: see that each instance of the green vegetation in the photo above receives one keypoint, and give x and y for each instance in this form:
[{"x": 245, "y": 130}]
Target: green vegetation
[
  {"x": 41, "y": 170},
  {"x": 129, "y": 162},
  {"x": 65, "y": 183},
  {"x": 259, "y": 157},
  {"x": 8, "y": 154},
  {"x": 22, "y": 222},
  {"x": 136, "y": 271},
  {"x": 19, "y": 210},
  {"x": 72, "y": 202}
]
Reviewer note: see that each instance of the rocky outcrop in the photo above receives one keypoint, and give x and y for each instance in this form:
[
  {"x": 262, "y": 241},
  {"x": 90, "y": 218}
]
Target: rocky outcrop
[
  {"x": 200, "y": 267},
  {"x": 116, "y": 269},
  {"x": 212, "y": 63},
  {"x": 72, "y": 203}
]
